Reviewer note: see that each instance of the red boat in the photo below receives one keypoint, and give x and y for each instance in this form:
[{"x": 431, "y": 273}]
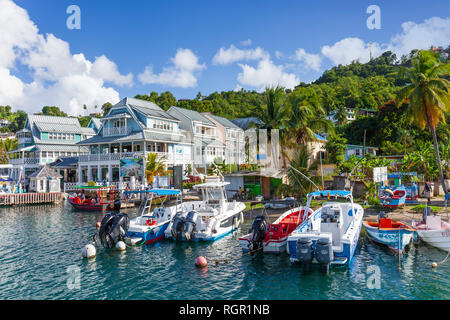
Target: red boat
[
  {"x": 103, "y": 200},
  {"x": 275, "y": 238}
]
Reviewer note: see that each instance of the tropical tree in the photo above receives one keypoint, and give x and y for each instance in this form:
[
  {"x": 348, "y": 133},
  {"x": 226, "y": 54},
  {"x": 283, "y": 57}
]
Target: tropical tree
[
  {"x": 341, "y": 116},
  {"x": 428, "y": 96},
  {"x": 155, "y": 166},
  {"x": 273, "y": 112}
]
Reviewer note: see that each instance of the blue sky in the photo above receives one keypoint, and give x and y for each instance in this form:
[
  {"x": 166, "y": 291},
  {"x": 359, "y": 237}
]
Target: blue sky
[{"x": 134, "y": 35}]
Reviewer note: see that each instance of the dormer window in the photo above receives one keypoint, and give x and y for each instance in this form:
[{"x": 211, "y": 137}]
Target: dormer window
[{"x": 163, "y": 125}]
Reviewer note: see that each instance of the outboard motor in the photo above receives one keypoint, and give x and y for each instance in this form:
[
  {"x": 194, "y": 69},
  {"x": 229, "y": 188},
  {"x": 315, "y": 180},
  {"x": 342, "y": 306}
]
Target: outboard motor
[
  {"x": 324, "y": 253},
  {"x": 189, "y": 226},
  {"x": 117, "y": 206},
  {"x": 305, "y": 253},
  {"x": 259, "y": 230},
  {"x": 178, "y": 225},
  {"x": 113, "y": 228}
]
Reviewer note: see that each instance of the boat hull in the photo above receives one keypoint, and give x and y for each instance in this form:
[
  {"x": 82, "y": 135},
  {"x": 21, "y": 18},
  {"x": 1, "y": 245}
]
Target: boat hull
[
  {"x": 394, "y": 238},
  {"x": 95, "y": 207},
  {"x": 270, "y": 246},
  {"x": 153, "y": 234},
  {"x": 437, "y": 238}
]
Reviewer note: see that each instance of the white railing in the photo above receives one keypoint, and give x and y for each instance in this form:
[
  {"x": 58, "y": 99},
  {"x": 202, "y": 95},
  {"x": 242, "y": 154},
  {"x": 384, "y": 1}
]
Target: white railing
[
  {"x": 24, "y": 161},
  {"x": 117, "y": 156},
  {"x": 24, "y": 140},
  {"x": 115, "y": 131}
]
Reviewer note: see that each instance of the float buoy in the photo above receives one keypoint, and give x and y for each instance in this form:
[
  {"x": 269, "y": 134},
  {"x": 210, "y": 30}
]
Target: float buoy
[
  {"x": 120, "y": 246},
  {"x": 201, "y": 262},
  {"x": 97, "y": 225},
  {"x": 434, "y": 265},
  {"x": 88, "y": 251}
]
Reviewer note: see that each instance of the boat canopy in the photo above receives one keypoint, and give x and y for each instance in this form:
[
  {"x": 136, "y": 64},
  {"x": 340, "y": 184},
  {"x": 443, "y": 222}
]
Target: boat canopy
[
  {"x": 331, "y": 193},
  {"x": 216, "y": 184},
  {"x": 159, "y": 192}
]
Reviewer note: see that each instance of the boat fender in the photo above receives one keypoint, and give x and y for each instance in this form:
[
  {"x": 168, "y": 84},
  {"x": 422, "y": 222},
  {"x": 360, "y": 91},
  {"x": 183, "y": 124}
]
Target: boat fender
[
  {"x": 235, "y": 222},
  {"x": 120, "y": 246},
  {"x": 241, "y": 217},
  {"x": 88, "y": 251}
]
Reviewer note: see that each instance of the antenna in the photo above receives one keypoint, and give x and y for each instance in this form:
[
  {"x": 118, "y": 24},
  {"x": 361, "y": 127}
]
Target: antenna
[{"x": 306, "y": 178}]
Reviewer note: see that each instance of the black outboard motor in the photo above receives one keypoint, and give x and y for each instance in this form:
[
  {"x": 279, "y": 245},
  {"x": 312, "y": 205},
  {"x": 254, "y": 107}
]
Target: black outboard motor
[
  {"x": 259, "y": 230},
  {"x": 113, "y": 228},
  {"x": 305, "y": 253},
  {"x": 178, "y": 225},
  {"x": 324, "y": 254},
  {"x": 117, "y": 205},
  {"x": 189, "y": 226}
]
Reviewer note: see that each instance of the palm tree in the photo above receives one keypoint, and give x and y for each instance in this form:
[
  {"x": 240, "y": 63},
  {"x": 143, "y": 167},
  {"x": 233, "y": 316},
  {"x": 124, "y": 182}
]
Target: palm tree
[
  {"x": 155, "y": 166},
  {"x": 341, "y": 116},
  {"x": 306, "y": 117},
  {"x": 428, "y": 95}
]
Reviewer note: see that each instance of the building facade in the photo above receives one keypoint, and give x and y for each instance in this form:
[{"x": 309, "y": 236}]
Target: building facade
[
  {"x": 43, "y": 140},
  {"x": 132, "y": 129}
]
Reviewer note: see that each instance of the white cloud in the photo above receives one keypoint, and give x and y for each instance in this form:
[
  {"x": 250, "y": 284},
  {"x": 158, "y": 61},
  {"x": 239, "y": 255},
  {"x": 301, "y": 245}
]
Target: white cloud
[
  {"x": 180, "y": 74},
  {"x": 247, "y": 42},
  {"x": 310, "y": 61},
  {"x": 233, "y": 54},
  {"x": 350, "y": 49},
  {"x": 279, "y": 54},
  {"x": 58, "y": 76},
  {"x": 433, "y": 31},
  {"x": 266, "y": 74}
]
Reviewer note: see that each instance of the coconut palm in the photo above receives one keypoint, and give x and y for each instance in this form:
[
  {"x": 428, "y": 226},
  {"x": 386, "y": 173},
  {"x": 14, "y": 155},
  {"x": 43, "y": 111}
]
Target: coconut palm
[
  {"x": 428, "y": 95},
  {"x": 341, "y": 116},
  {"x": 155, "y": 166},
  {"x": 273, "y": 112},
  {"x": 306, "y": 117}
]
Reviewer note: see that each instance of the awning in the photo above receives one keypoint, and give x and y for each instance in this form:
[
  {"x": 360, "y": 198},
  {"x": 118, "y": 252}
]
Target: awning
[{"x": 26, "y": 149}]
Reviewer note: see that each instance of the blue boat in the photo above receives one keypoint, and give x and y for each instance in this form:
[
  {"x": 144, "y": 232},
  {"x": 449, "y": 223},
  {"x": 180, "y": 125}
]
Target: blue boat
[
  {"x": 401, "y": 182},
  {"x": 393, "y": 234},
  {"x": 332, "y": 233},
  {"x": 393, "y": 198},
  {"x": 150, "y": 226}
]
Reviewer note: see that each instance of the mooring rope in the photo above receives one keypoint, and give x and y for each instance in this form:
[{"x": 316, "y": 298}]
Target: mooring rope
[{"x": 436, "y": 264}]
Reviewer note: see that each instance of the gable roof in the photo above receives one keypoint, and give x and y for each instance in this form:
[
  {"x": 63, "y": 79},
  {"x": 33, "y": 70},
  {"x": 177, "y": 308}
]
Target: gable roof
[
  {"x": 223, "y": 121},
  {"x": 53, "y": 124},
  {"x": 45, "y": 172},
  {"x": 193, "y": 115},
  {"x": 244, "y": 123}
]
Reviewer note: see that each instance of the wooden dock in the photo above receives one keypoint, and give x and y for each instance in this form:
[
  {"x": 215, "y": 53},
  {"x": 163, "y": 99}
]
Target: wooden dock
[{"x": 12, "y": 199}]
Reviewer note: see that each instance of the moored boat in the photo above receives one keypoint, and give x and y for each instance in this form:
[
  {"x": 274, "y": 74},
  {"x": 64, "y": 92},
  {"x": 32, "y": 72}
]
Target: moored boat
[
  {"x": 150, "y": 226},
  {"x": 331, "y": 234},
  {"x": 393, "y": 198},
  {"x": 102, "y": 200},
  {"x": 394, "y": 234},
  {"x": 273, "y": 237},
  {"x": 435, "y": 232},
  {"x": 208, "y": 219}
]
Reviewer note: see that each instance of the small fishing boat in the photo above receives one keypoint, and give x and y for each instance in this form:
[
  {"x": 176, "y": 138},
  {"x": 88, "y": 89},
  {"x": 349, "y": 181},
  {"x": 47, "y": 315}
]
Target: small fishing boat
[
  {"x": 209, "y": 219},
  {"x": 406, "y": 181},
  {"x": 285, "y": 203},
  {"x": 150, "y": 226},
  {"x": 435, "y": 232},
  {"x": 273, "y": 237},
  {"x": 394, "y": 234},
  {"x": 102, "y": 199},
  {"x": 330, "y": 236},
  {"x": 393, "y": 198}
]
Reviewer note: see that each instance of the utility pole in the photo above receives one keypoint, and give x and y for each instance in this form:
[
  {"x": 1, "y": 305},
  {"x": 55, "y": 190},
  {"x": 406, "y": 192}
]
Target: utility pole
[{"x": 364, "y": 144}]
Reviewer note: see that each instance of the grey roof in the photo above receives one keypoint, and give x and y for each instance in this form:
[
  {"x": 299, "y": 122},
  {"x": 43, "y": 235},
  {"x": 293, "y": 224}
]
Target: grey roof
[
  {"x": 65, "y": 162},
  {"x": 45, "y": 172},
  {"x": 244, "y": 123},
  {"x": 88, "y": 131},
  {"x": 136, "y": 135},
  {"x": 194, "y": 115},
  {"x": 223, "y": 121},
  {"x": 58, "y": 127},
  {"x": 154, "y": 112},
  {"x": 61, "y": 148}
]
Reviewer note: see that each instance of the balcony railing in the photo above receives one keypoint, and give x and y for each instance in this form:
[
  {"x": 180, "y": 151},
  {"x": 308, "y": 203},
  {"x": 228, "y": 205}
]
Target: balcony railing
[
  {"x": 117, "y": 156},
  {"x": 24, "y": 161},
  {"x": 115, "y": 131}
]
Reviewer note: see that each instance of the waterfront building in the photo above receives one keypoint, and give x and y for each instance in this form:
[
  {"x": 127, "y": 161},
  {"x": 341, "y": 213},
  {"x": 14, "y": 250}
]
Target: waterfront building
[
  {"x": 231, "y": 136},
  {"x": 131, "y": 130},
  {"x": 45, "y": 179},
  {"x": 202, "y": 132},
  {"x": 358, "y": 151},
  {"x": 43, "y": 140}
]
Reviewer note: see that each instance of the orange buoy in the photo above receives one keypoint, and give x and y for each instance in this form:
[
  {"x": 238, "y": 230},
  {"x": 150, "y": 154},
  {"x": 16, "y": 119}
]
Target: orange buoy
[
  {"x": 98, "y": 224},
  {"x": 201, "y": 262}
]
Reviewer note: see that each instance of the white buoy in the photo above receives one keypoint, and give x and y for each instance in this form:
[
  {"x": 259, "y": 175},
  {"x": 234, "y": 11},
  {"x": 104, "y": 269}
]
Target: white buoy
[
  {"x": 88, "y": 251},
  {"x": 121, "y": 246}
]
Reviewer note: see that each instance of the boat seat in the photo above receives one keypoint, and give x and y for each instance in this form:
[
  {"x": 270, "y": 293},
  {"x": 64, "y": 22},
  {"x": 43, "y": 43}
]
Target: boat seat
[{"x": 385, "y": 223}]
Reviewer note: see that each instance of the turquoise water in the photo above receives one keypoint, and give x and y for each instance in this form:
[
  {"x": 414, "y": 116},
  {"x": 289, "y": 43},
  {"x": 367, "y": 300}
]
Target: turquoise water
[{"x": 38, "y": 245}]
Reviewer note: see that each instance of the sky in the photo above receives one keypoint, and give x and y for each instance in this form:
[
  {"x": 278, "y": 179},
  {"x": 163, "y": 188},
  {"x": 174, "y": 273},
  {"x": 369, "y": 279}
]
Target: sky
[{"x": 124, "y": 48}]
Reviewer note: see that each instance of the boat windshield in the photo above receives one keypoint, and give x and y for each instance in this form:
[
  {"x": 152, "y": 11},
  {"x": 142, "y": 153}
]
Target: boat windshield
[{"x": 213, "y": 196}]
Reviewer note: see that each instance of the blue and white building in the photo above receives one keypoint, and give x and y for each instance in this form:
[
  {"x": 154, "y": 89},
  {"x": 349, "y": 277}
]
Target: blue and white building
[{"x": 132, "y": 129}]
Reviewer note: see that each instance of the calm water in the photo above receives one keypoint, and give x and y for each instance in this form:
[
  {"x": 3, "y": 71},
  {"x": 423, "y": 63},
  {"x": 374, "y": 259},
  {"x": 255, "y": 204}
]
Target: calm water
[{"x": 39, "y": 244}]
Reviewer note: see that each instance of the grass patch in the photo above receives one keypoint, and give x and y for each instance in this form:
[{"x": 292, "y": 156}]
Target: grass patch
[
  {"x": 257, "y": 206},
  {"x": 420, "y": 207}
]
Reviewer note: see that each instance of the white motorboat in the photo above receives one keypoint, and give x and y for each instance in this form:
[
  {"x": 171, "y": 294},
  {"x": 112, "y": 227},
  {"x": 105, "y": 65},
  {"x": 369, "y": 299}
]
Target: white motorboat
[
  {"x": 208, "y": 219},
  {"x": 149, "y": 226},
  {"x": 332, "y": 233},
  {"x": 435, "y": 232}
]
